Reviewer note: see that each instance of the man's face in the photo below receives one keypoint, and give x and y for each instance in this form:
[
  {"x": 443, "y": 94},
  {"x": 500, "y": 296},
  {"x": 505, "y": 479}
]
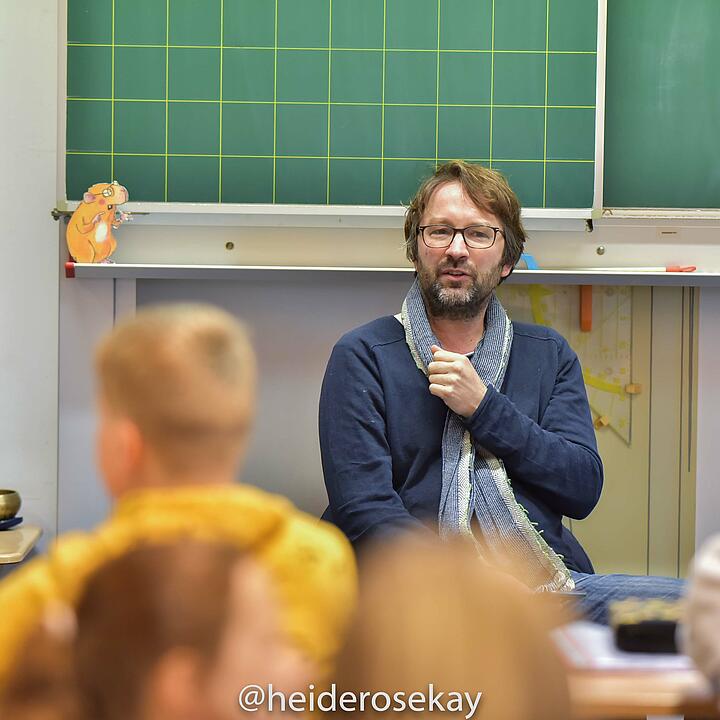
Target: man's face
[{"x": 456, "y": 281}]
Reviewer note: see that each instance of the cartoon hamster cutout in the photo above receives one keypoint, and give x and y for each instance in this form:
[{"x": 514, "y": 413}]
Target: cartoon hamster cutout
[{"x": 89, "y": 236}]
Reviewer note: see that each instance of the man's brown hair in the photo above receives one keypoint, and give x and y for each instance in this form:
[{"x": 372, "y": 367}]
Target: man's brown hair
[
  {"x": 185, "y": 375},
  {"x": 487, "y": 189}
]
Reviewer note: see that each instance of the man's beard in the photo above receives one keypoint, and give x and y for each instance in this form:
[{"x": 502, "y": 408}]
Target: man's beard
[{"x": 457, "y": 303}]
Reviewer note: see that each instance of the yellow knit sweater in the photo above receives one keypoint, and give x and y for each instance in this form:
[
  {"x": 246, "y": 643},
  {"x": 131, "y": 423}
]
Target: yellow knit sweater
[{"x": 311, "y": 562}]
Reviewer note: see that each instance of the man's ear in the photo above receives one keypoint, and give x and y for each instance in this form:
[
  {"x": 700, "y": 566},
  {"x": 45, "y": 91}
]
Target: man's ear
[{"x": 506, "y": 270}]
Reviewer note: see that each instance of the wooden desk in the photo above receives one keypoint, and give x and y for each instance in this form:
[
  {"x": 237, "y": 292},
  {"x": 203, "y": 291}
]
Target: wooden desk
[
  {"x": 597, "y": 695},
  {"x": 607, "y": 684}
]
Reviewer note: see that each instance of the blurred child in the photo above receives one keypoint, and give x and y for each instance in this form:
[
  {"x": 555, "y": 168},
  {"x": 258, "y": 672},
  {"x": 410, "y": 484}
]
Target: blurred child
[
  {"x": 40, "y": 685},
  {"x": 431, "y": 614},
  {"x": 701, "y": 626},
  {"x": 176, "y": 401},
  {"x": 169, "y": 631},
  {"x": 174, "y": 632}
]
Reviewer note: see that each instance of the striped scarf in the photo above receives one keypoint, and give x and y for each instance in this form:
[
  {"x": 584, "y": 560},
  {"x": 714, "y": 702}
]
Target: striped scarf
[{"x": 474, "y": 481}]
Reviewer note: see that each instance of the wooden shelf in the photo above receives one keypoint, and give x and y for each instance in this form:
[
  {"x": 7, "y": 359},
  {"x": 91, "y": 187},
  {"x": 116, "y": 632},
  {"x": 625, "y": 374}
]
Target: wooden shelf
[
  {"x": 237, "y": 272},
  {"x": 343, "y": 216}
]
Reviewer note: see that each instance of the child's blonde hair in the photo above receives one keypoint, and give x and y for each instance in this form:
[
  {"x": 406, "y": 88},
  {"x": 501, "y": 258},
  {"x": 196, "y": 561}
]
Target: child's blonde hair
[{"x": 185, "y": 375}]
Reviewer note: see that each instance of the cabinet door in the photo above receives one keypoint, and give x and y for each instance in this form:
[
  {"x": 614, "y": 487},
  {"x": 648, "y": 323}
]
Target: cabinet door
[{"x": 638, "y": 363}]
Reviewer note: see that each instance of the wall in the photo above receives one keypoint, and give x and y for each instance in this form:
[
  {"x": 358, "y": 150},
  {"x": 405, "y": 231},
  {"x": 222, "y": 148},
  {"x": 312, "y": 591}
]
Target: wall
[{"x": 29, "y": 288}]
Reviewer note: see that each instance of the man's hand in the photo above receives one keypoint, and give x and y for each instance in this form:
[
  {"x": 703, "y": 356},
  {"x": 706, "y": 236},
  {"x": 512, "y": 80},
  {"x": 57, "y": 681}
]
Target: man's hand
[{"x": 455, "y": 381}]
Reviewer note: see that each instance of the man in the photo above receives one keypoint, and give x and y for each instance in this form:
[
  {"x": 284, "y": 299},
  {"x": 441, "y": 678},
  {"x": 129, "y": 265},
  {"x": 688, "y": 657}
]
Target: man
[
  {"x": 452, "y": 416},
  {"x": 176, "y": 401}
]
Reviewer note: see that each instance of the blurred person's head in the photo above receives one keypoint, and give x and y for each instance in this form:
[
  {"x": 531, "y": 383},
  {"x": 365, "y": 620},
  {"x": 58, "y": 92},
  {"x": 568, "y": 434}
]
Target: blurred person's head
[
  {"x": 432, "y": 613},
  {"x": 175, "y": 631},
  {"x": 699, "y": 632},
  {"x": 176, "y": 393},
  {"x": 40, "y": 684}
]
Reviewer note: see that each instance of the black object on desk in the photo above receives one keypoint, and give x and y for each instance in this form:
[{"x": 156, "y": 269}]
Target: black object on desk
[{"x": 646, "y": 626}]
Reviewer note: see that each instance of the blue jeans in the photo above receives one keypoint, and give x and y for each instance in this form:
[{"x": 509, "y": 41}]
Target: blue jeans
[{"x": 602, "y": 589}]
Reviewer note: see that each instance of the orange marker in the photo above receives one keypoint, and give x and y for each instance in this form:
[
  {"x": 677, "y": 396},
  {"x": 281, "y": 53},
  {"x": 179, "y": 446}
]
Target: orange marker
[{"x": 658, "y": 269}]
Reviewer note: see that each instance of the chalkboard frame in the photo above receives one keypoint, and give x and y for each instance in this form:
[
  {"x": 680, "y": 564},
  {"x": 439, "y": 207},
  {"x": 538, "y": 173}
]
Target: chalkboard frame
[{"x": 327, "y": 215}]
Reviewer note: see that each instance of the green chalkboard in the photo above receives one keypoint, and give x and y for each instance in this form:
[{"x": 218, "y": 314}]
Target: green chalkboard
[
  {"x": 329, "y": 101},
  {"x": 662, "y": 131}
]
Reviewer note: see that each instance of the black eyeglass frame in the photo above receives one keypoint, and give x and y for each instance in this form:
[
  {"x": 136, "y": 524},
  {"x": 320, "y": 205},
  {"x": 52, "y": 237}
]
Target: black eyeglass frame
[{"x": 496, "y": 230}]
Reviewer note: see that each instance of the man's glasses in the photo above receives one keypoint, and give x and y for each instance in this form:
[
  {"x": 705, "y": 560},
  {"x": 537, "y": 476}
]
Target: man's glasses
[{"x": 479, "y": 237}]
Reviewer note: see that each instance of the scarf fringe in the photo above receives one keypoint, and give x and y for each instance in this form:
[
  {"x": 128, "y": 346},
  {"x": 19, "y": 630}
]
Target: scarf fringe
[{"x": 474, "y": 480}]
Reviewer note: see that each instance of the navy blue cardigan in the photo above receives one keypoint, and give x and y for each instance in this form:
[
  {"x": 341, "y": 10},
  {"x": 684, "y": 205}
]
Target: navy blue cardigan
[{"x": 381, "y": 433}]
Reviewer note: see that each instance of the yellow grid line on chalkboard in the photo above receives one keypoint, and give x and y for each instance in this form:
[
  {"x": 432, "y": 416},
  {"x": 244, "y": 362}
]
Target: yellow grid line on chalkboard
[
  {"x": 324, "y": 102},
  {"x": 545, "y": 119},
  {"x": 437, "y": 88},
  {"x": 112, "y": 92},
  {"x": 337, "y": 49},
  {"x": 492, "y": 80},
  {"x": 220, "y": 139},
  {"x": 320, "y": 157},
  {"x": 275, "y": 104},
  {"x": 382, "y": 109},
  {"x": 327, "y": 190},
  {"x": 167, "y": 95}
]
